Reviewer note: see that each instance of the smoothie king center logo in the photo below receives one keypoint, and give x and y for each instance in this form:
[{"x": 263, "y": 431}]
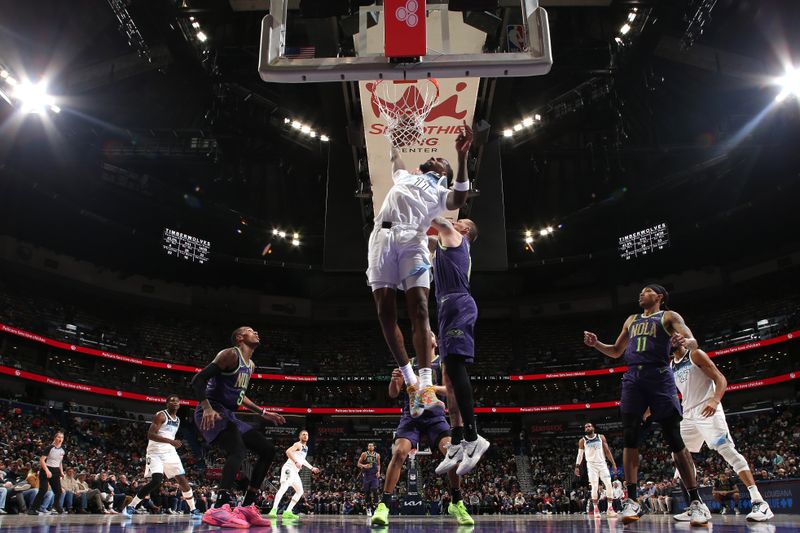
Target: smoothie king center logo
[{"x": 410, "y": 101}]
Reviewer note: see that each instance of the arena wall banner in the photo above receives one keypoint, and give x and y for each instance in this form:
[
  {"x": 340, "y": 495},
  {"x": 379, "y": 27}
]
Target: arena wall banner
[
  {"x": 344, "y": 411},
  {"x": 4, "y": 328}
]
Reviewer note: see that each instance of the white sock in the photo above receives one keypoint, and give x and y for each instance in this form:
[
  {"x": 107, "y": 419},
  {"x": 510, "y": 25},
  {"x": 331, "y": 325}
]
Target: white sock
[
  {"x": 408, "y": 374},
  {"x": 292, "y": 503},
  {"x": 189, "y": 497},
  {"x": 134, "y": 502},
  {"x": 755, "y": 496},
  {"x": 425, "y": 377}
]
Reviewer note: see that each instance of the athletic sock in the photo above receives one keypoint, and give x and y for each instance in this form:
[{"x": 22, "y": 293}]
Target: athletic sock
[
  {"x": 457, "y": 435},
  {"x": 755, "y": 495},
  {"x": 456, "y": 495},
  {"x": 425, "y": 378},
  {"x": 249, "y": 497},
  {"x": 408, "y": 374},
  {"x": 188, "y": 497},
  {"x": 136, "y": 499},
  {"x": 386, "y": 499},
  {"x": 694, "y": 494},
  {"x": 631, "y": 491}
]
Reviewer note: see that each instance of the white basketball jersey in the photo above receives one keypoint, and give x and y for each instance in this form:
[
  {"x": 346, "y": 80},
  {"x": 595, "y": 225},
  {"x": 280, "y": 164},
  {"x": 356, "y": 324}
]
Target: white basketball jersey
[
  {"x": 414, "y": 200},
  {"x": 593, "y": 448},
  {"x": 168, "y": 429},
  {"x": 694, "y": 385},
  {"x": 299, "y": 455}
]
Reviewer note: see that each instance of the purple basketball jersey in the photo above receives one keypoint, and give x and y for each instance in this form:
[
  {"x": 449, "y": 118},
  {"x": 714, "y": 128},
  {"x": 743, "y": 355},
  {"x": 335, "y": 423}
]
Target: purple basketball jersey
[
  {"x": 648, "y": 341},
  {"x": 451, "y": 269},
  {"x": 228, "y": 389}
]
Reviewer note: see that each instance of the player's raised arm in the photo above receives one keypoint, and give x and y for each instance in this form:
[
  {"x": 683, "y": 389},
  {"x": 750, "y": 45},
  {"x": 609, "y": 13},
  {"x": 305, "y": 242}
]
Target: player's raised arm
[
  {"x": 611, "y": 350},
  {"x": 397, "y": 161},
  {"x": 704, "y": 363},
  {"x": 458, "y": 196},
  {"x": 681, "y": 334}
]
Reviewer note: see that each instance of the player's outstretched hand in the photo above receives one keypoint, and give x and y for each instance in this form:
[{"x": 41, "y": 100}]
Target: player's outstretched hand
[
  {"x": 275, "y": 418},
  {"x": 177, "y": 444},
  {"x": 210, "y": 417},
  {"x": 678, "y": 340},
  {"x": 464, "y": 140},
  {"x": 589, "y": 339},
  {"x": 315, "y": 470}
]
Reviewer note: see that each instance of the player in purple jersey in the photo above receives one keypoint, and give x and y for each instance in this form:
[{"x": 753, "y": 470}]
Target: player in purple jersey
[
  {"x": 370, "y": 463},
  {"x": 220, "y": 389},
  {"x": 647, "y": 340},
  {"x": 457, "y": 313}
]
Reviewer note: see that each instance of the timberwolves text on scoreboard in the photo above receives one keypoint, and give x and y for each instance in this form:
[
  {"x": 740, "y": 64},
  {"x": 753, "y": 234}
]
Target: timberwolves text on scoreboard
[
  {"x": 186, "y": 247},
  {"x": 644, "y": 242}
]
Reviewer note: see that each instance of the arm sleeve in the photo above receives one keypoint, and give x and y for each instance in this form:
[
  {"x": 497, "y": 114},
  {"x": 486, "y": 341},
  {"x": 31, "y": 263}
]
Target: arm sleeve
[
  {"x": 579, "y": 459},
  {"x": 200, "y": 380}
]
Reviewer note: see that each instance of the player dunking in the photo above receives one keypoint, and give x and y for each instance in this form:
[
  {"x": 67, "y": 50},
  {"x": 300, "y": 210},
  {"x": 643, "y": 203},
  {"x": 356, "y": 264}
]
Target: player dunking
[
  {"x": 702, "y": 386},
  {"x": 433, "y": 425},
  {"x": 162, "y": 458},
  {"x": 596, "y": 449},
  {"x": 399, "y": 258},
  {"x": 457, "y": 313},
  {"x": 646, "y": 340},
  {"x": 370, "y": 464},
  {"x": 290, "y": 476},
  {"x": 220, "y": 389}
]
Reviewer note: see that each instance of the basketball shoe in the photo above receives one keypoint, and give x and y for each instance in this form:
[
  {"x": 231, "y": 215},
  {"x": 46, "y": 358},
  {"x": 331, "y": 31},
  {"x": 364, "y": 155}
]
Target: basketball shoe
[
  {"x": 760, "y": 512},
  {"x": 611, "y": 513},
  {"x": 273, "y": 513},
  {"x": 459, "y": 511},
  {"x": 699, "y": 515},
  {"x": 381, "y": 515},
  {"x": 288, "y": 515},
  {"x": 422, "y": 400},
  {"x": 455, "y": 452},
  {"x": 631, "y": 511},
  {"x": 224, "y": 517},
  {"x": 251, "y": 515},
  {"x": 471, "y": 454}
]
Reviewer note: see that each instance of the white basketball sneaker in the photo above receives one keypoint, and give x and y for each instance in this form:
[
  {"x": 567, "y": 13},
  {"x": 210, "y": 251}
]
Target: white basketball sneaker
[
  {"x": 472, "y": 453},
  {"x": 699, "y": 515},
  {"x": 455, "y": 452},
  {"x": 760, "y": 512},
  {"x": 631, "y": 511},
  {"x": 684, "y": 516}
]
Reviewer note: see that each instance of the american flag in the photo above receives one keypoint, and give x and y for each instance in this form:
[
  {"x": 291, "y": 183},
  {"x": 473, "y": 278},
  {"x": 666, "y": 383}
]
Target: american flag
[{"x": 299, "y": 52}]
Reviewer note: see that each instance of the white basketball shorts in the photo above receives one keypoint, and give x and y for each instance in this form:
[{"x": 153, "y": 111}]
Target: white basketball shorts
[
  {"x": 398, "y": 258},
  {"x": 168, "y": 464}
]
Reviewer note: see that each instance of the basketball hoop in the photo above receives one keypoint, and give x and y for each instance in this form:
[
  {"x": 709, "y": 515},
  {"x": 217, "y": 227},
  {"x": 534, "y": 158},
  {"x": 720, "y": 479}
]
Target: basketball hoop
[{"x": 404, "y": 105}]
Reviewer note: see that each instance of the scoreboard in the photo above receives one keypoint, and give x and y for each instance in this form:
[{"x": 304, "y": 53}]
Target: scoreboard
[
  {"x": 644, "y": 242},
  {"x": 187, "y": 247}
]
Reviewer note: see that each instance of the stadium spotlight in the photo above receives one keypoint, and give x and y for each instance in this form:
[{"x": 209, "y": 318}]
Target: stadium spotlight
[
  {"x": 295, "y": 242},
  {"x": 508, "y": 132},
  {"x": 528, "y": 233},
  {"x": 34, "y": 97},
  {"x": 202, "y": 37},
  {"x": 625, "y": 29},
  {"x": 527, "y": 122},
  {"x": 528, "y": 239},
  {"x": 517, "y": 127},
  {"x": 789, "y": 84},
  {"x": 324, "y": 138},
  {"x": 282, "y": 234}
]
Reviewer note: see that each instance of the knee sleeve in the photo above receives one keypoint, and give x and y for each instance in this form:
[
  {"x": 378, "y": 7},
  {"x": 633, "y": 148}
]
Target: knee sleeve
[
  {"x": 672, "y": 434},
  {"x": 630, "y": 430},
  {"x": 733, "y": 457}
]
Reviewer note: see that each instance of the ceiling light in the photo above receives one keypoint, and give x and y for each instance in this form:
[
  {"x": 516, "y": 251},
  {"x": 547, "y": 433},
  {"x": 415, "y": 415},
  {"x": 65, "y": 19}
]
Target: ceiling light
[
  {"x": 196, "y": 25},
  {"x": 295, "y": 242},
  {"x": 313, "y": 134},
  {"x": 549, "y": 229},
  {"x": 287, "y": 120},
  {"x": 275, "y": 231},
  {"x": 295, "y": 235},
  {"x": 11, "y": 81},
  {"x": 527, "y": 122},
  {"x": 508, "y": 132},
  {"x": 618, "y": 40},
  {"x": 202, "y": 37},
  {"x": 528, "y": 233},
  {"x": 543, "y": 232},
  {"x": 625, "y": 28},
  {"x": 517, "y": 127},
  {"x": 324, "y": 138},
  {"x": 34, "y": 97},
  {"x": 296, "y": 125},
  {"x": 282, "y": 234},
  {"x": 631, "y": 16},
  {"x": 537, "y": 117},
  {"x": 528, "y": 240},
  {"x": 305, "y": 129},
  {"x": 790, "y": 85},
  {"x": 3, "y": 74}
]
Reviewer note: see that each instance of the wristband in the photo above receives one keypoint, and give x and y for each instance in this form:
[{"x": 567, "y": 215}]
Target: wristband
[{"x": 461, "y": 186}]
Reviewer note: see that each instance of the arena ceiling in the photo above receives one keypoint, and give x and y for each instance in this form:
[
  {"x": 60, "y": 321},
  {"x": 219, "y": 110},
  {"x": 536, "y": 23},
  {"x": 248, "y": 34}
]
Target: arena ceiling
[{"x": 677, "y": 124}]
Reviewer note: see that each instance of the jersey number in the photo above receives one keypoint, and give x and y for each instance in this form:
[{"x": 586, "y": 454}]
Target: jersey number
[
  {"x": 641, "y": 344},
  {"x": 240, "y": 399}
]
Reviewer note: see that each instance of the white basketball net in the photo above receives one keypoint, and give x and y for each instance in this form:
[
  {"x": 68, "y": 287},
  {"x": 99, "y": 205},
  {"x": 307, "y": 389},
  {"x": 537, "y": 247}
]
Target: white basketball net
[{"x": 404, "y": 106}]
